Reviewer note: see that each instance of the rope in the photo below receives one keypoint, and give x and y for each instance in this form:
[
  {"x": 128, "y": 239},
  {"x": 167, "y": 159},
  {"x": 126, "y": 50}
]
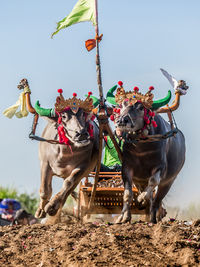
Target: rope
[{"x": 37, "y": 138}]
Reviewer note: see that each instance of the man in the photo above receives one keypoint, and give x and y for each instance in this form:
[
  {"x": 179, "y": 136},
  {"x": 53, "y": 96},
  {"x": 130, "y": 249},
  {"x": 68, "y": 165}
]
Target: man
[
  {"x": 22, "y": 217},
  {"x": 111, "y": 162}
]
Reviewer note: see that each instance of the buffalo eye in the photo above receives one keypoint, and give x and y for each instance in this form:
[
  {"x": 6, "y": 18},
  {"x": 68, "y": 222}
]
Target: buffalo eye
[{"x": 139, "y": 106}]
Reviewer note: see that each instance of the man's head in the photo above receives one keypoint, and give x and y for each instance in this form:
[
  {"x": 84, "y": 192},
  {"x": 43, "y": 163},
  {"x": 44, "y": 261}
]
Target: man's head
[{"x": 118, "y": 132}]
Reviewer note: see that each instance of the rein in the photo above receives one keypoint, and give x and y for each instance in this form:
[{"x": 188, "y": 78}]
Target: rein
[
  {"x": 32, "y": 136},
  {"x": 41, "y": 139},
  {"x": 156, "y": 137},
  {"x": 151, "y": 138}
]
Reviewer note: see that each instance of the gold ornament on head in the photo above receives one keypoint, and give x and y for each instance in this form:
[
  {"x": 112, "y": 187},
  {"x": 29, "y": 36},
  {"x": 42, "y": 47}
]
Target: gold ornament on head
[
  {"x": 73, "y": 103},
  {"x": 134, "y": 96}
]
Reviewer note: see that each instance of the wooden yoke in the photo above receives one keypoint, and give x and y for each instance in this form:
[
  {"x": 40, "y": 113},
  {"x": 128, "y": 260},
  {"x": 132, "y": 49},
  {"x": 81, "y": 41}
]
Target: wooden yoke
[
  {"x": 29, "y": 105},
  {"x": 169, "y": 110},
  {"x": 23, "y": 84},
  {"x": 173, "y": 107}
]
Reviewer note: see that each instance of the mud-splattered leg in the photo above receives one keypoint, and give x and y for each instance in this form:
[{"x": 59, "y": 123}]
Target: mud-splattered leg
[
  {"x": 59, "y": 199},
  {"x": 45, "y": 189},
  {"x": 154, "y": 181},
  {"x": 125, "y": 216},
  {"x": 157, "y": 201}
]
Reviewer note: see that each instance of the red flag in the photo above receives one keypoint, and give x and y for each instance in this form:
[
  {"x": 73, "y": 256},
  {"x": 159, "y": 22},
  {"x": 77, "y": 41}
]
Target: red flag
[{"x": 91, "y": 43}]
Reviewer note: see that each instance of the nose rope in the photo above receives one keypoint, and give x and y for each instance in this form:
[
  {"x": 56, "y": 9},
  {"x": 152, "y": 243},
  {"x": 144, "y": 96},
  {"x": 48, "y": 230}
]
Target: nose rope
[{"x": 62, "y": 132}]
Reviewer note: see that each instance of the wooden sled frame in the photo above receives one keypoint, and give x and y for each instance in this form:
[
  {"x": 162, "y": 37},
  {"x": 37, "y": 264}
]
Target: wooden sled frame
[{"x": 108, "y": 199}]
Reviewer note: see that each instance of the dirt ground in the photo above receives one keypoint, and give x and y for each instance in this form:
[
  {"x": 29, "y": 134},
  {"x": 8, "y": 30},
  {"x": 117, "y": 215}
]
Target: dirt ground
[{"x": 101, "y": 244}]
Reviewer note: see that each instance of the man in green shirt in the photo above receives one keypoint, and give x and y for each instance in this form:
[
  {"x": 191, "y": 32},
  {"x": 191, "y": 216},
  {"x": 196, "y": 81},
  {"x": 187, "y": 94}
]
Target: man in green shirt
[{"x": 111, "y": 162}]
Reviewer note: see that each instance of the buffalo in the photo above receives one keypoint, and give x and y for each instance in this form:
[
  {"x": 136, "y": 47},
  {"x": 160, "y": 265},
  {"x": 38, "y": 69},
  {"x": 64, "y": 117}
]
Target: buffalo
[
  {"x": 152, "y": 159},
  {"x": 70, "y": 150}
]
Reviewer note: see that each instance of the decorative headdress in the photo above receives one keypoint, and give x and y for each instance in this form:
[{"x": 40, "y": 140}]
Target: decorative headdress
[
  {"x": 135, "y": 96},
  {"x": 73, "y": 103}
]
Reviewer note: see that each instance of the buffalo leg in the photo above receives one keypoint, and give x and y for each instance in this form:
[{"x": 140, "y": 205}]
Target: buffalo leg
[
  {"x": 69, "y": 185},
  {"x": 152, "y": 183},
  {"x": 157, "y": 200},
  {"x": 128, "y": 196},
  {"x": 45, "y": 189}
]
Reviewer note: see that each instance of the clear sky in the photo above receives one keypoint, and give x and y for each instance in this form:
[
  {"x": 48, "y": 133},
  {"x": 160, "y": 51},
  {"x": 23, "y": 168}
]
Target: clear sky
[{"x": 139, "y": 38}]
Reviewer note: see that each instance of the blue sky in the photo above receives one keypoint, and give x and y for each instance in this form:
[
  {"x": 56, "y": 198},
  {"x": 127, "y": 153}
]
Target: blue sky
[{"x": 139, "y": 38}]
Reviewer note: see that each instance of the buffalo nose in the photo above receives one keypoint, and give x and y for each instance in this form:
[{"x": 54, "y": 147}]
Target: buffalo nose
[
  {"x": 125, "y": 120},
  {"x": 83, "y": 134}
]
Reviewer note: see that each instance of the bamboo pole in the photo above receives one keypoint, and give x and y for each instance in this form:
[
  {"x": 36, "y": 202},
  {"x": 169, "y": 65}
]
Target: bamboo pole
[
  {"x": 98, "y": 63},
  {"x": 102, "y": 116},
  {"x": 99, "y": 82}
]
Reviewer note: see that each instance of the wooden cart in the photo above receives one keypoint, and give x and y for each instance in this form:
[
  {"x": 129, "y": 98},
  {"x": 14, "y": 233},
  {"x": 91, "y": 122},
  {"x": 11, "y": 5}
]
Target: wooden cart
[{"x": 108, "y": 198}]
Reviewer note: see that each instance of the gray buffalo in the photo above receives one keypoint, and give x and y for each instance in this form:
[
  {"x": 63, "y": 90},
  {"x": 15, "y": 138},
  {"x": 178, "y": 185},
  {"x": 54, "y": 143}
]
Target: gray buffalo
[
  {"x": 70, "y": 150},
  {"x": 151, "y": 162}
]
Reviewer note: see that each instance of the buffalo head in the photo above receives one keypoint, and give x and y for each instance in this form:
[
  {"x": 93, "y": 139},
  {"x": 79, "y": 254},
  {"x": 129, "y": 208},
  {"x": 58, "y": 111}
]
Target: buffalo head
[
  {"x": 72, "y": 118},
  {"x": 135, "y": 112}
]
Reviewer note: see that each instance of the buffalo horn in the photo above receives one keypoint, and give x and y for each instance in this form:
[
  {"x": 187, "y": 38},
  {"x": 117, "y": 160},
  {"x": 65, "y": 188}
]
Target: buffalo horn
[
  {"x": 110, "y": 97},
  {"x": 161, "y": 102},
  {"x": 48, "y": 112}
]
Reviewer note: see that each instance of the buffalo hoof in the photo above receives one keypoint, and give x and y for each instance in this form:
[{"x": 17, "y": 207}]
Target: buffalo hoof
[
  {"x": 124, "y": 218},
  {"x": 141, "y": 205},
  {"x": 52, "y": 208},
  {"x": 40, "y": 213},
  {"x": 142, "y": 197}
]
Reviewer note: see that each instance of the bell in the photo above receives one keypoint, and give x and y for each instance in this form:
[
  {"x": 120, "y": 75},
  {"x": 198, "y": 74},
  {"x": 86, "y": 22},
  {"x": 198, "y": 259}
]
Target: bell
[{"x": 145, "y": 132}]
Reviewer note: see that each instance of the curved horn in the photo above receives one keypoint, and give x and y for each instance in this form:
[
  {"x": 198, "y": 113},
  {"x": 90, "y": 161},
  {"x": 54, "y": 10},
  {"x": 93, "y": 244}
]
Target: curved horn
[
  {"x": 162, "y": 102},
  {"x": 49, "y": 112},
  {"x": 110, "y": 97}
]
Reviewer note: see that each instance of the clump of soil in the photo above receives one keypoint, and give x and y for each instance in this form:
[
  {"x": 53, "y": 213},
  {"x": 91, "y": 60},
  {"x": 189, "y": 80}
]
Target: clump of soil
[{"x": 101, "y": 244}]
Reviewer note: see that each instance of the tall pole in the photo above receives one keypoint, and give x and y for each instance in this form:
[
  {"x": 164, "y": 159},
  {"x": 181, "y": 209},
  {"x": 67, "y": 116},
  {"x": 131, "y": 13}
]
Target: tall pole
[
  {"x": 102, "y": 116},
  {"x": 98, "y": 64}
]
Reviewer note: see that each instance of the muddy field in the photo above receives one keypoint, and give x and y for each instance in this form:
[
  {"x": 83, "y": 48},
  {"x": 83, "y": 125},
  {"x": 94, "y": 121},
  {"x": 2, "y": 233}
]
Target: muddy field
[{"x": 101, "y": 244}]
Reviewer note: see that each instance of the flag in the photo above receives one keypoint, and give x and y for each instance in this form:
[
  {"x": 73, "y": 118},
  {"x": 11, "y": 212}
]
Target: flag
[
  {"x": 91, "y": 43},
  {"x": 84, "y": 10},
  {"x": 21, "y": 102}
]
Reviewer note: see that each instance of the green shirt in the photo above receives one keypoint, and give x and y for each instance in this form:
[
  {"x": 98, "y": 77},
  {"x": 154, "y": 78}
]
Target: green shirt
[{"x": 111, "y": 156}]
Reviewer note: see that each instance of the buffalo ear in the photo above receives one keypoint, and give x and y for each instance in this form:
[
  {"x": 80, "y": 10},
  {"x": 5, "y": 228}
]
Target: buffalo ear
[{"x": 125, "y": 104}]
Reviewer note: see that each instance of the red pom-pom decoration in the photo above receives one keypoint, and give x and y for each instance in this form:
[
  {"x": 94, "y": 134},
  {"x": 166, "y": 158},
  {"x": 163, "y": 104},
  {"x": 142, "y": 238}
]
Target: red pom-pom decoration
[
  {"x": 60, "y": 91},
  {"x": 118, "y": 111},
  {"x": 112, "y": 117},
  {"x": 89, "y": 93},
  {"x": 154, "y": 124},
  {"x": 114, "y": 109},
  {"x": 147, "y": 121},
  {"x": 136, "y": 89},
  {"x": 120, "y": 83},
  {"x": 151, "y": 88},
  {"x": 74, "y": 94}
]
